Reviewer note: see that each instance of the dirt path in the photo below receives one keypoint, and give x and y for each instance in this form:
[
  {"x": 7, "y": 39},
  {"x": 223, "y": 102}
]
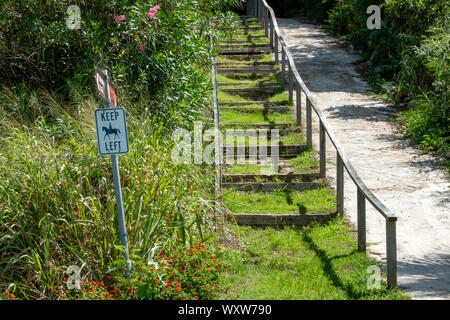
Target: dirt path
[{"x": 409, "y": 184}]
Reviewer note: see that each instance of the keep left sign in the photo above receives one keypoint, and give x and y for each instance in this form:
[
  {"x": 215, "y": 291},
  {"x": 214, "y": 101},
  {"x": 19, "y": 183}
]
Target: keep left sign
[{"x": 112, "y": 135}]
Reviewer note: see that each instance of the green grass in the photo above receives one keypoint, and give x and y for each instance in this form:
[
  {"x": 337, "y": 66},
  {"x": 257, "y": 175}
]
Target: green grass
[
  {"x": 309, "y": 202},
  {"x": 252, "y": 83},
  {"x": 258, "y": 41},
  {"x": 305, "y": 162},
  {"x": 284, "y": 96},
  {"x": 231, "y": 116},
  {"x": 225, "y": 97},
  {"x": 248, "y": 168},
  {"x": 239, "y": 60},
  {"x": 293, "y": 138},
  {"x": 273, "y": 77},
  {"x": 319, "y": 262}
]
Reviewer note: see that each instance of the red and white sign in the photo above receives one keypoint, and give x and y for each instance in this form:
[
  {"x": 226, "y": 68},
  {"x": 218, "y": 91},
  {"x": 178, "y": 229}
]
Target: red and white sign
[{"x": 101, "y": 87}]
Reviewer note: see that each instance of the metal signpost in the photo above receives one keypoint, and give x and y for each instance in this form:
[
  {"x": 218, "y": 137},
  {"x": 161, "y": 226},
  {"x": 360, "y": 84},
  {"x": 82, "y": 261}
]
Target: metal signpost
[{"x": 112, "y": 137}]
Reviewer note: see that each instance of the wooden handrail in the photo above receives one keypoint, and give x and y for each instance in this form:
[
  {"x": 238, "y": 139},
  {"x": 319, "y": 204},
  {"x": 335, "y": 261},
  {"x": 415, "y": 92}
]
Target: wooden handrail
[
  {"x": 217, "y": 134},
  {"x": 263, "y": 10}
]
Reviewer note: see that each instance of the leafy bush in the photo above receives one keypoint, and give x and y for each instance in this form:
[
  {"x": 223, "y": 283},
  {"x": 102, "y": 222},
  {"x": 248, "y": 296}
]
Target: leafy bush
[
  {"x": 340, "y": 16},
  {"x": 163, "y": 56},
  {"x": 429, "y": 119},
  {"x": 316, "y": 9}
]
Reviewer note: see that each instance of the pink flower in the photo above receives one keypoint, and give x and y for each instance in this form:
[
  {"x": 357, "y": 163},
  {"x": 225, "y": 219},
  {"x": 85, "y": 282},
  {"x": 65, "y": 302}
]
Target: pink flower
[
  {"x": 151, "y": 13},
  {"x": 142, "y": 46},
  {"x": 120, "y": 18}
]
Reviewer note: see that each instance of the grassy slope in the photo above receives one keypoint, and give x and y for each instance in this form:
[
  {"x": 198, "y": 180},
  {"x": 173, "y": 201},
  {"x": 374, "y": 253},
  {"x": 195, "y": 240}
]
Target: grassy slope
[{"x": 319, "y": 262}]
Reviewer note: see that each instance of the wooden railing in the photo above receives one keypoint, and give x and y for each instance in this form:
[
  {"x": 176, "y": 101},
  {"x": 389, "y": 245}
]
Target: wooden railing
[
  {"x": 217, "y": 135},
  {"x": 266, "y": 16}
]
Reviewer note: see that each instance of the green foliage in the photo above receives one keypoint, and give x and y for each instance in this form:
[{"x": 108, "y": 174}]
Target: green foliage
[
  {"x": 316, "y": 9},
  {"x": 57, "y": 204},
  {"x": 428, "y": 121},
  {"x": 340, "y": 15},
  {"x": 57, "y": 201},
  {"x": 163, "y": 57},
  {"x": 228, "y": 23}
]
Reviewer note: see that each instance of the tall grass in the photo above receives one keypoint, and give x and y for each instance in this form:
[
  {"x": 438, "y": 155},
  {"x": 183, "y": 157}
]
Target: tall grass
[{"x": 57, "y": 204}]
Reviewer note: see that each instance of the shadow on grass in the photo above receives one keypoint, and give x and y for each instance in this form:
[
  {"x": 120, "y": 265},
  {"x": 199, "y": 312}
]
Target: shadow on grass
[
  {"x": 351, "y": 290},
  {"x": 288, "y": 194}
]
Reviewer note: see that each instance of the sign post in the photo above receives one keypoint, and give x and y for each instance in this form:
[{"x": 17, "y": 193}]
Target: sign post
[{"x": 112, "y": 137}]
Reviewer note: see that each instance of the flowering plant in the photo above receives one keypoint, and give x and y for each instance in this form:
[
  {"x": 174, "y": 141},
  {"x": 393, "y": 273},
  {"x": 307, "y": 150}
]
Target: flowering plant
[
  {"x": 180, "y": 274},
  {"x": 177, "y": 274}
]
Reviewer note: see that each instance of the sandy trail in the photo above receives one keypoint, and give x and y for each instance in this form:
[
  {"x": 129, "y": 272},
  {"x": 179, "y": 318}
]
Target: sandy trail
[{"x": 409, "y": 184}]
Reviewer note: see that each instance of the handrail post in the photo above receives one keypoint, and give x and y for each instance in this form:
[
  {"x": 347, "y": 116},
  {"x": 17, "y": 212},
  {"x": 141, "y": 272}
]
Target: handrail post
[
  {"x": 291, "y": 83},
  {"x": 266, "y": 21},
  {"x": 391, "y": 253},
  {"x": 322, "y": 145},
  {"x": 308, "y": 124},
  {"x": 276, "y": 49},
  {"x": 271, "y": 33},
  {"x": 283, "y": 64},
  {"x": 361, "y": 204},
  {"x": 298, "y": 105},
  {"x": 339, "y": 185},
  {"x": 260, "y": 6}
]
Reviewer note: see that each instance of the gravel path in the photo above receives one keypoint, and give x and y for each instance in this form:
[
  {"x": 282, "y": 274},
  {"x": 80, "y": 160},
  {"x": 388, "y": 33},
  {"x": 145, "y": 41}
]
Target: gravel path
[{"x": 411, "y": 185}]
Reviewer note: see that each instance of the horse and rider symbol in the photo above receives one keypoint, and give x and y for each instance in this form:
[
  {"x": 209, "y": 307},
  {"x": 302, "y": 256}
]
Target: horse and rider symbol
[{"x": 109, "y": 131}]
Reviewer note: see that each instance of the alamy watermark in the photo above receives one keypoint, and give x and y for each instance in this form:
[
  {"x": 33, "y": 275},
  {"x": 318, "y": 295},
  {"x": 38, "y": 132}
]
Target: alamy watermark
[
  {"x": 73, "y": 20},
  {"x": 240, "y": 146},
  {"x": 74, "y": 279},
  {"x": 374, "y": 280},
  {"x": 374, "y": 20}
]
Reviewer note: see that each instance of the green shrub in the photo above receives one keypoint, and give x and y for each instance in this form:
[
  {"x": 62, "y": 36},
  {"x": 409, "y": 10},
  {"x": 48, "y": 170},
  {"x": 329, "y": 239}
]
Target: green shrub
[
  {"x": 428, "y": 121},
  {"x": 163, "y": 57}
]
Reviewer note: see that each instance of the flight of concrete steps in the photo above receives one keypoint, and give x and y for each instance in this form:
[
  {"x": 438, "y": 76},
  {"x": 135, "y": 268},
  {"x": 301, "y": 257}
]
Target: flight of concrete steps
[{"x": 252, "y": 95}]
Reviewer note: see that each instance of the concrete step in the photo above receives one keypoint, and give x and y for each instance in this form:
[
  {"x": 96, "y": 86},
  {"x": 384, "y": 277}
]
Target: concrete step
[
  {"x": 247, "y": 69},
  {"x": 244, "y": 46},
  {"x": 261, "y": 84},
  {"x": 282, "y": 149},
  {"x": 278, "y": 220},
  {"x": 304, "y": 177},
  {"x": 281, "y": 110},
  {"x": 245, "y": 51},
  {"x": 264, "y": 92},
  {"x": 244, "y": 57},
  {"x": 260, "y": 125},
  {"x": 255, "y": 63},
  {"x": 247, "y": 159},
  {"x": 272, "y": 186},
  {"x": 249, "y": 103},
  {"x": 240, "y": 42}
]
